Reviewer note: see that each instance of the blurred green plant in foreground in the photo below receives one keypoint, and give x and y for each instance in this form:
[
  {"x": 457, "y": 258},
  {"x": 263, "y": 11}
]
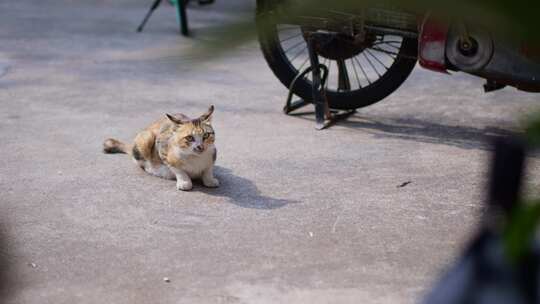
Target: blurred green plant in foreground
[
  {"x": 520, "y": 230},
  {"x": 516, "y": 19}
]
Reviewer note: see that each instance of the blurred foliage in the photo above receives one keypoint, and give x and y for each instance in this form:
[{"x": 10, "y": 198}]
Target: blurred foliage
[
  {"x": 516, "y": 19},
  {"x": 521, "y": 229},
  {"x": 533, "y": 131},
  {"x": 224, "y": 39}
]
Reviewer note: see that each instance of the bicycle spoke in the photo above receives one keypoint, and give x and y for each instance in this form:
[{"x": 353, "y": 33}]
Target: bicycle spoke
[
  {"x": 303, "y": 64},
  {"x": 356, "y": 74},
  {"x": 391, "y": 45},
  {"x": 389, "y": 41},
  {"x": 377, "y": 59},
  {"x": 298, "y": 54},
  {"x": 371, "y": 64},
  {"x": 293, "y": 47},
  {"x": 386, "y": 52},
  {"x": 289, "y": 38},
  {"x": 362, "y": 69}
]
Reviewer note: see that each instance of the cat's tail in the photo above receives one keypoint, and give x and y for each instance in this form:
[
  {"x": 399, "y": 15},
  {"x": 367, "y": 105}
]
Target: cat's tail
[{"x": 112, "y": 145}]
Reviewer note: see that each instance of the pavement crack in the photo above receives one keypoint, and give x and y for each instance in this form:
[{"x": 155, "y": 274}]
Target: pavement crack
[
  {"x": 336, "y": 221},
  {"x": 404, "y": 184},
  {"x": 335, "y": 224}
]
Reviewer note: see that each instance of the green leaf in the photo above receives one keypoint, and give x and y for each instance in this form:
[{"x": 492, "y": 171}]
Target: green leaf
[
  {"x": 533, "y": 130},
  {"x": 520, "y": 230}
]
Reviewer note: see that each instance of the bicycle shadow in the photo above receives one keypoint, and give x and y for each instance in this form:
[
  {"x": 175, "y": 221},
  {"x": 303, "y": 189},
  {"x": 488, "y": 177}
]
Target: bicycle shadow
[
  {"x": 243, "y": 192},
  {"x": 412, "y": 129}
]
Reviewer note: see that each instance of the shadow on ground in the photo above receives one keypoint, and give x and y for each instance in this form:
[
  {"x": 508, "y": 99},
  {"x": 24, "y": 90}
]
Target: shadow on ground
[
  {"x": 465, "y": 137},
  {"x": 6, "y": 276},
  {"x": 243, "y": 192}
]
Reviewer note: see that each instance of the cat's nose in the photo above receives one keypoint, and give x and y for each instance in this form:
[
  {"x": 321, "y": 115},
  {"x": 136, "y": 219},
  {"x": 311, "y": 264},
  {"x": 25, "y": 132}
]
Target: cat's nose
[{"x": 198, "y": 148}]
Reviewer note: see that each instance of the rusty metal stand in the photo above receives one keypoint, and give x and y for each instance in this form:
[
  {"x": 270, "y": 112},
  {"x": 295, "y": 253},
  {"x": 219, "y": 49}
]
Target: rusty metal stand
[{"x": 324, "y": 117}]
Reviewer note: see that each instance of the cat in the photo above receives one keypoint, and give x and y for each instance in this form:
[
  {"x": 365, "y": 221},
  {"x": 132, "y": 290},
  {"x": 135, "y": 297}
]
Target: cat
[{"x": 175, "y": 146}]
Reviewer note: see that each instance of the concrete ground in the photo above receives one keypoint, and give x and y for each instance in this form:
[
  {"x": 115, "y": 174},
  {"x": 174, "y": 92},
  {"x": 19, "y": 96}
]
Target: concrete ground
[{"x": 301, "y": 217}]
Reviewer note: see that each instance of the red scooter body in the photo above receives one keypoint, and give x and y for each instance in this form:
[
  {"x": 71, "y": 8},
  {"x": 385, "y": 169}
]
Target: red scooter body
[{"x": 500, "y": 62}]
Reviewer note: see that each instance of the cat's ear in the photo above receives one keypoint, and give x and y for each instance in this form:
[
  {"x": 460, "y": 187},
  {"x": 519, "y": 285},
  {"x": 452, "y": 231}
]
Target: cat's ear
[
  {"x": 179, "y": 119},
  {"x": 206, "y": 117}
]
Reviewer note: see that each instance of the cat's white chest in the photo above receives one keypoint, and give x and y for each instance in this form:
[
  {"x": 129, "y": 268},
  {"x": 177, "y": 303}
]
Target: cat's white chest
[{"x": 195, "y": 165}]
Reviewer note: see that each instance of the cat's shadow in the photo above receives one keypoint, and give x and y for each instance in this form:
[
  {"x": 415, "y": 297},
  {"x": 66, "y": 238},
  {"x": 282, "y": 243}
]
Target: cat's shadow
[{"x": 242, "y": 192}]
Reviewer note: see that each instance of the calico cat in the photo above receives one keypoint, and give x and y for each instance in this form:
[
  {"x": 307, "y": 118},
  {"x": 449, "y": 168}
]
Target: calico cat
[{"x": 175, "y": 146}]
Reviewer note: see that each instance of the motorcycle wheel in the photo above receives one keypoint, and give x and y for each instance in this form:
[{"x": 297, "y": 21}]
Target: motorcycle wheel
[{"x": 373, "y": 72}]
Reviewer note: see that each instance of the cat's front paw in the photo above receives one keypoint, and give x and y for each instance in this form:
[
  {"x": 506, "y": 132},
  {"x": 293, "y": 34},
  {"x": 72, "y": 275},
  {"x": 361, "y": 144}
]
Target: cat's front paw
[
  {"x": 211, "y": 182},
  {"x": 184, "y": 185}
]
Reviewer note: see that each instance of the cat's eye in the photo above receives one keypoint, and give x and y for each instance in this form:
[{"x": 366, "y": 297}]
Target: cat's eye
[
  {"x": 206, "y": 135},
  {"x": 189, "y": 138}
]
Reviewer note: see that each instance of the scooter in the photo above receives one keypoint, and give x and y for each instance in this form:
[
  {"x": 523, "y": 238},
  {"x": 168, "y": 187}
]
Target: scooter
[{"x": 368, "y": 52}]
